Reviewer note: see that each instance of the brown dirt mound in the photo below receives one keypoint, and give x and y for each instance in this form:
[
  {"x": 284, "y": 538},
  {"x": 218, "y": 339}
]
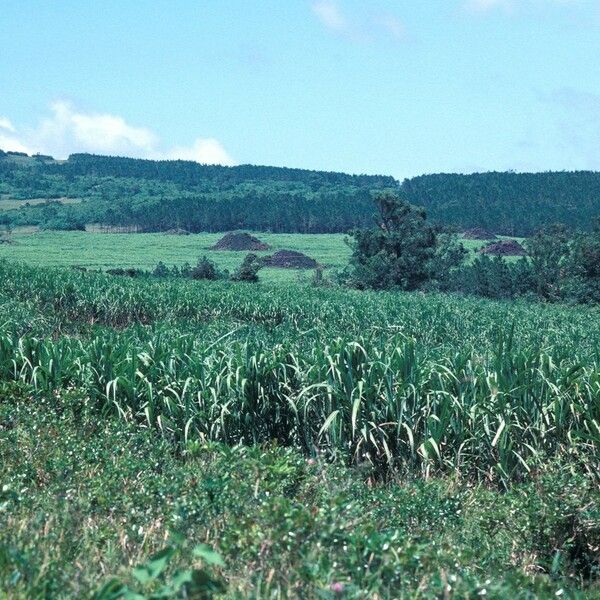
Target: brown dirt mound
[
  {"x": 290, "y": 259},
  {"x": 504, "y": 248},
  {"x": 478, "y": 233},
  {"x": 239, "y": 241}
]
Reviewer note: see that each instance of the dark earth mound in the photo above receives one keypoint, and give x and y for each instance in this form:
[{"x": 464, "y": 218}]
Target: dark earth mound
[
  {"x": 239, "y": 241},
  {"x": 290, "y": 259},
  {"x": 478, "y": 233},
  {"x": 504, "y": 248}
]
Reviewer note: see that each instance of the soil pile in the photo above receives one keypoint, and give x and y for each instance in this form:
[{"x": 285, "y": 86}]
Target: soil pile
[
  {"x": 239, "y": 242},
  {"x": 290, "y": 259},
  {"x": 478, "y": 233},
  {"x": 504, "y": 248}
]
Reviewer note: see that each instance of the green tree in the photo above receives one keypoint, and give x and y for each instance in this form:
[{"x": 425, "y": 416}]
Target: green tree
[
  {"x": 583, "y": 267},
  {"x": 161, "y": 270},
  {"x": 449, "y": 255},
  {"x": 396, "y": 253},
  {"x": 205, "y": 269}
]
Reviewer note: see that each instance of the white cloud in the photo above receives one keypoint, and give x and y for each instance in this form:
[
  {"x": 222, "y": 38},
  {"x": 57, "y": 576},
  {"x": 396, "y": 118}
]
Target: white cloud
[
  {"x": 329, "y": 13},
  {"x": 357, "y": 28},
  {"x": 68, "y": 130},
  {"x": 8, "y": 142},
  {"x": 203, "y": 150},
  {"x": 6, "y": 124}
]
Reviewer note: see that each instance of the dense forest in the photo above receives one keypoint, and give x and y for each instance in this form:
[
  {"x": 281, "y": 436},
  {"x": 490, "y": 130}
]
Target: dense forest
[
  {"x": 152, "y": 195},
  {"x": 508, "y": 203}
]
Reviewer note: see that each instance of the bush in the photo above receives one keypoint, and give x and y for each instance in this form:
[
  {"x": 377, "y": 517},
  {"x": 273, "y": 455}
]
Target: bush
[
  {"x": 248, "y": 270},
  {"x": 205, "y": 269},
  {"x": 161, "y": 270}
]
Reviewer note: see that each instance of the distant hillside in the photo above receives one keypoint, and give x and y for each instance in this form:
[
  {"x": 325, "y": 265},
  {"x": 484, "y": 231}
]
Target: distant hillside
[
  {"x": 508, "y": 203},
  {"x": 162, "y": 195}
]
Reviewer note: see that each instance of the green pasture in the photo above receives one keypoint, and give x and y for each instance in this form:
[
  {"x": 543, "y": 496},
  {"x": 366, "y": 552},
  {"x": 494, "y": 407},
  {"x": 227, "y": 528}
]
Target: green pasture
[{"x": 144, "y": 250}]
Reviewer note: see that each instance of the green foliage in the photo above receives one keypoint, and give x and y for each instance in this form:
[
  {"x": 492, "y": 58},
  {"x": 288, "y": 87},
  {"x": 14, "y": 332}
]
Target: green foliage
[
  {"x": 161, "y": 195},
  {"x": 397, "y": 382},
  {"x": 449, "y": 256},
  {"x": 513, "y": 204},
  {"x": 396, "y": 253},
  {"x": 87, "y": 503},
  {"x": 583, "y": 267},
  {"x": 204, "y": 269},
  {"x": 548, "y": 250},
  {"x": 152, "y": 576},
  {"x": 161, "y": 270},
  {"x": 248, "y": 270}
]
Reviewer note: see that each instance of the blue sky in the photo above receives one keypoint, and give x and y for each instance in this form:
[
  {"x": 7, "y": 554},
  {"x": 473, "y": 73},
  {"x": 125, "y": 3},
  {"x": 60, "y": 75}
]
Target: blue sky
[{"x": 399, "y": 87}]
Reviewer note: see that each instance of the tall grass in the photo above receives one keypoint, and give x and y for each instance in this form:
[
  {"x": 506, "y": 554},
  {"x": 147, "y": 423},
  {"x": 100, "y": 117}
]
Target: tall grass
[{"x": 420, "y": 384}]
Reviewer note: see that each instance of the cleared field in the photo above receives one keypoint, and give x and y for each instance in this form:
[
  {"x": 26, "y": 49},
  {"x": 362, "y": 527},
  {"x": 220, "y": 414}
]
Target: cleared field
[
  {"x": 145, "y": 250},
  {"x": 12, "y": 203}
]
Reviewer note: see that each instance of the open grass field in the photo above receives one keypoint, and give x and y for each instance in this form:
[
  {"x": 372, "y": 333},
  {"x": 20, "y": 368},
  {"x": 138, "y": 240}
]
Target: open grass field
[{"x": 145, "y": 250}]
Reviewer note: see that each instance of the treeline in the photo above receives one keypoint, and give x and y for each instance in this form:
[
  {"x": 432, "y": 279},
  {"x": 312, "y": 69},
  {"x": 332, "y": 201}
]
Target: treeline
[{"x": 161, "y": 195}]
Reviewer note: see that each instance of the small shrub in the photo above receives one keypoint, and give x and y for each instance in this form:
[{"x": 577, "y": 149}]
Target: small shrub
[
  {"x": 161, "y": 270},
  {"x": 248, "y": 270},
  {"x": 205, "y": 269}
]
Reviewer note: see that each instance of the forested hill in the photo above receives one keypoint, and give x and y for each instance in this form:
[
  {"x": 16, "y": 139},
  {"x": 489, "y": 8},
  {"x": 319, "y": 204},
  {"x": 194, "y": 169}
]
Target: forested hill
[
  {"x": 189, "y": 173},
  {"x": 508, "y": 203},
  {"x": 161, "y": 195}
]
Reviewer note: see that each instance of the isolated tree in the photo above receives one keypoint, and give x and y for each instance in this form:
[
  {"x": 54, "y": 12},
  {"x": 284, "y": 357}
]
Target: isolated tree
[
  {"x": 161, "y": 270},
  {"x": 395, "y": 253},
  {"x": 185, "y": 270}
]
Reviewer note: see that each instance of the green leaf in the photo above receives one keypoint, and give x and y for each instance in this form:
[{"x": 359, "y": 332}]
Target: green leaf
[
  {"x": 154, "y": 566},
  {"x": 208, "y": 555}
]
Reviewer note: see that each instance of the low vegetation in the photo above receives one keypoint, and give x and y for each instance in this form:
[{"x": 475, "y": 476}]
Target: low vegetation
[
  {"x": 90, "y": 505},
  {"x": 404, "y": 251}
]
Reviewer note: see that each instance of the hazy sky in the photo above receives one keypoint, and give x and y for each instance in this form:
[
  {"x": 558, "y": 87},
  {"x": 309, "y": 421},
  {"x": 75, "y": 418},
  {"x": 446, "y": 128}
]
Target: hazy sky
[{"x": 399, "y": 87}]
